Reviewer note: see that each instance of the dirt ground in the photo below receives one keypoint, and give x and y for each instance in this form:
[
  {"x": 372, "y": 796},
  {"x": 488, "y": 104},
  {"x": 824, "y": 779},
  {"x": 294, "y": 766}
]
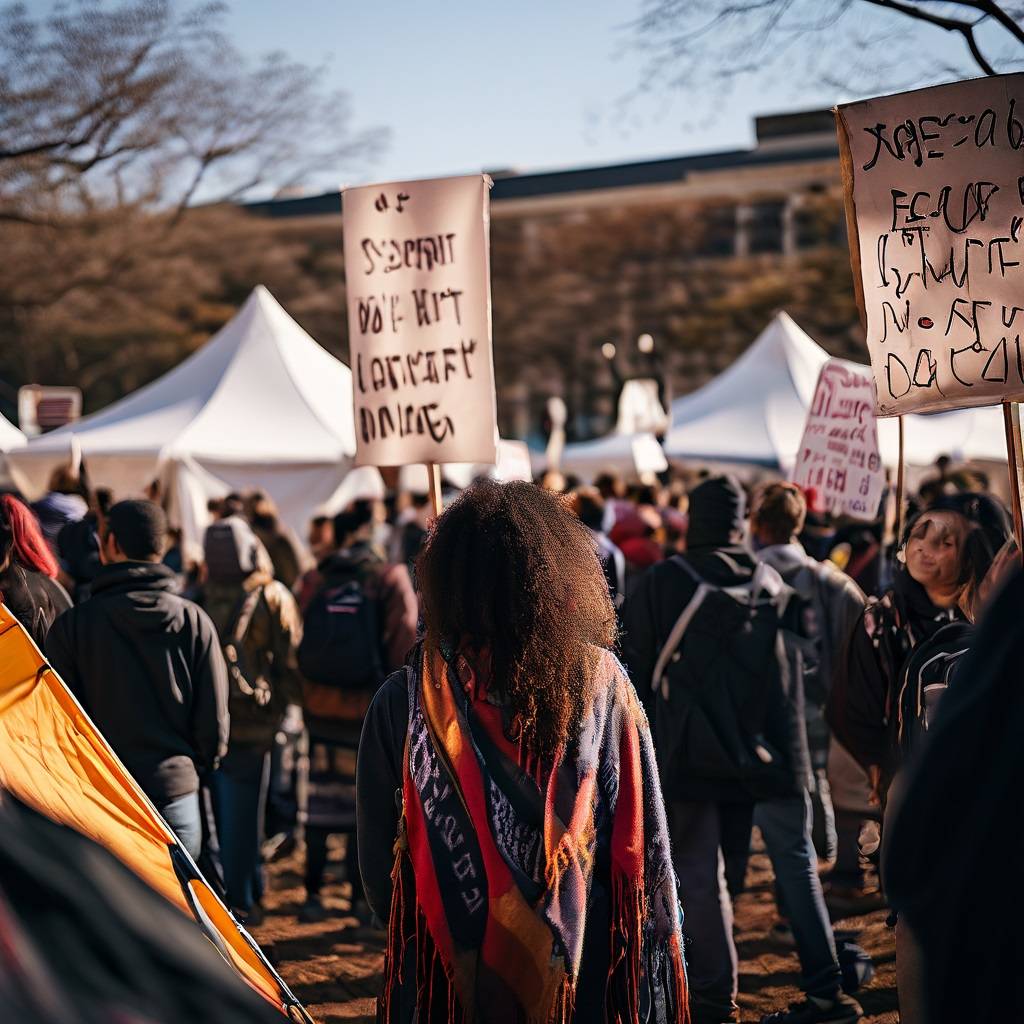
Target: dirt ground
[{"x": 334, "y": 968}]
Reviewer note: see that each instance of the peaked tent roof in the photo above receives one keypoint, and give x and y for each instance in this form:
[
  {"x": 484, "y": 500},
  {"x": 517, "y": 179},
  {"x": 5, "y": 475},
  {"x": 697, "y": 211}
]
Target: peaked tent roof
[
  {"x": 260, "y": 391},
  {"x": 755, "y": 411},
  {"x": 260, "y": 404},
  {"x": 261, "y": 388}
]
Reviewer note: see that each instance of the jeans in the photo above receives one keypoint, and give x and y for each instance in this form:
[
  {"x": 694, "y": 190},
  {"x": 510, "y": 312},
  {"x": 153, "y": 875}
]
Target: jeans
[
  {"x": 182, "y": 814},
  {"x": 239, "y": 791},
  {"x": 316, "y": 861},
  {"x": 696, "y": 833},
  {"x": 786, "y": 828}
]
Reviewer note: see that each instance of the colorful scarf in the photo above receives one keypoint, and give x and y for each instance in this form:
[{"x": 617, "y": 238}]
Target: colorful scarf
[{"x": 493, "y": 875}]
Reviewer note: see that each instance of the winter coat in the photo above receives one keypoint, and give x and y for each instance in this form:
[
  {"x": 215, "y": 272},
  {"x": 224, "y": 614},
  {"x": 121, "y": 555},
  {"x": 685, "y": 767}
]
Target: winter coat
[{"x": 147, "y": 667}]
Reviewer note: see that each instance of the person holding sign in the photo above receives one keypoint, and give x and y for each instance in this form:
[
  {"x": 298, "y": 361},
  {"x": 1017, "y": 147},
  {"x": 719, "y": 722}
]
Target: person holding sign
[{"x": 531, "y": 877}]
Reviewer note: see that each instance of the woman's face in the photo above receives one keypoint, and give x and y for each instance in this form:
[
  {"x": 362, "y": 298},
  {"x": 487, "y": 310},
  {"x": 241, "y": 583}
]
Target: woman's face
[{"x": 933, "y": 550}]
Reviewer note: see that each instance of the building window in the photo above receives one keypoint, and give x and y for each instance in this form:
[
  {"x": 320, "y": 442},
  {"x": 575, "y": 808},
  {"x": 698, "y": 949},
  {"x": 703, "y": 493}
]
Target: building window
[
  {"x": 765, "y": 226},
  {"x": 719, "y": 236}
]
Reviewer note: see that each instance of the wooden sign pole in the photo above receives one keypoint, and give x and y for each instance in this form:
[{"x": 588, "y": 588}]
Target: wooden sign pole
[
  {"x": 1011, "y": 423},
  {"x": 434, "y": 483},
  {"x": 900, "y": 490}
]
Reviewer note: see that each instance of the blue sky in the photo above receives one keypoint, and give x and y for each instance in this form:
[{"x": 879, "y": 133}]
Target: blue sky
[{"x": 526, "y": 84}]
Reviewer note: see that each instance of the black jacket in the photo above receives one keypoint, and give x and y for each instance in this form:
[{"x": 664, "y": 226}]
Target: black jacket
[
  {"x": 650, "y": 613},
  {"x": 147, "y": 667},
  {"x": 34, "y": 599}
]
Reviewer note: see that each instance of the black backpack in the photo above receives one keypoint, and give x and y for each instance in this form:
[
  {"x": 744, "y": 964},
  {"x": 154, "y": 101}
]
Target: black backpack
[
  {"x": 341, "y": 639},
  {"x": 716, "y": 685}
]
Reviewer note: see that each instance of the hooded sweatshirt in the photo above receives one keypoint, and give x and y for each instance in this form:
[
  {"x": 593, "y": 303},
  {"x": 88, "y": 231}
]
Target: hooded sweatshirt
[{"x": 147, "y": 667}]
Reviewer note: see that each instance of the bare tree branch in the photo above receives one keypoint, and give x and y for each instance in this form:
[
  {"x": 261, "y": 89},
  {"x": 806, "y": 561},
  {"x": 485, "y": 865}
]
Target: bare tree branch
[{"x": 964, "y": 28}]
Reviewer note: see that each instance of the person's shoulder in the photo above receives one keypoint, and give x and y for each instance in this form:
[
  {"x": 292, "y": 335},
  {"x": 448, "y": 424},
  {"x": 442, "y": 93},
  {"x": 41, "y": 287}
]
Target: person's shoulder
[
  {"x": 391, "y": 701},
  {"x": 833, "y": 579}
]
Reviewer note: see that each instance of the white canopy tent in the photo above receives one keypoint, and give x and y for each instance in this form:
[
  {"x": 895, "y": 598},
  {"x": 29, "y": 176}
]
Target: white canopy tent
[
  {"x": 754, "y": 412},
  {"x": 629, "y": 455},
  {"x": 261, "y": 404}
]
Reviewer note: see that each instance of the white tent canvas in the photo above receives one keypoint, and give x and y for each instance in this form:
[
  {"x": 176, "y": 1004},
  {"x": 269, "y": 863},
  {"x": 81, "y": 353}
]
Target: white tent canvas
[
  {"x": 261, "y": 404},
  {"x": 629, "y": 455},
  {"x": 10, "y": 436},
  {"x": 754, "y": 412}
]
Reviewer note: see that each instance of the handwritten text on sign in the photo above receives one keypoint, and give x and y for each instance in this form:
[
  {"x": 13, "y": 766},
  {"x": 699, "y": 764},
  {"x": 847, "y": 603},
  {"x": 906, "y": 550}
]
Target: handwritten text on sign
[
  {"x": 419, "y": 315},
  {"x": 838, "y": 454},
  {"x": 938, "y": 189}
]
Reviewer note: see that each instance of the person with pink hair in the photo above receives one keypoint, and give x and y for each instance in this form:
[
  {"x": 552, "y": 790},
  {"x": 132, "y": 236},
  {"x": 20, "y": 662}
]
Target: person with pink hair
[{"x": 28, "y": 570}]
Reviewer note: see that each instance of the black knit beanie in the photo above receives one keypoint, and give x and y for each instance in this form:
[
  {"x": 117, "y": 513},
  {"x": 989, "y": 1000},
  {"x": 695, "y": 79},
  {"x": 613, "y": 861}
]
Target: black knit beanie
[{"x": 718, "y": 508}]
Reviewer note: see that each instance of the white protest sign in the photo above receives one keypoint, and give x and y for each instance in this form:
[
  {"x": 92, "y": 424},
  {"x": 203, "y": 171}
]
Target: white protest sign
[
  {"x": 934, "y": 183},
  {"x": 838, "y": 453},
  {"x": 419, "y": 313}
]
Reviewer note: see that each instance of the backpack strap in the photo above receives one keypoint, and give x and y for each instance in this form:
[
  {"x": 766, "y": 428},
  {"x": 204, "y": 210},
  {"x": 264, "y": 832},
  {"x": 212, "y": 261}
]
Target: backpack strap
[
  {"x": 243, "y": 615},
  {"x": 659, "y": 678}
]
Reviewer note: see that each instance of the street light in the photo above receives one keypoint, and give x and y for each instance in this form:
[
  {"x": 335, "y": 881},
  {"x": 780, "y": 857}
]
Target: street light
[
  {"x": 645, "y": 343},
  {"x": 608, "y": 350}
]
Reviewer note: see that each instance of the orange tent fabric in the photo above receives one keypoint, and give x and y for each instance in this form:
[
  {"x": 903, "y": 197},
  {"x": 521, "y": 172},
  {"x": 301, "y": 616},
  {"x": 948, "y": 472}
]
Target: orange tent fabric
[{"x": 55, "y": 760}]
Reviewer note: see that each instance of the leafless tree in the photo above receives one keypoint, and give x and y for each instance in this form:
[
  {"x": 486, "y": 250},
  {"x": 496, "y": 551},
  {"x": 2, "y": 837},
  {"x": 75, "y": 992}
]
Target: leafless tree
[
  {"x": 711, "y": 44},
  {"x": 115, "y": 120}
]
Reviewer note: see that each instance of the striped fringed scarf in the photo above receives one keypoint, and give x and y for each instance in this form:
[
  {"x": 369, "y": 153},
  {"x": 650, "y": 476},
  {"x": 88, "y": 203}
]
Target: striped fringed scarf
[{"x": 493, "y": 871}]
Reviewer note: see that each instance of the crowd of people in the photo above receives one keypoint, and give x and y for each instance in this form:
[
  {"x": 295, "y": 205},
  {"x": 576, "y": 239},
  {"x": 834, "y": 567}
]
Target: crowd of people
[{"x": 548, "y": 722}]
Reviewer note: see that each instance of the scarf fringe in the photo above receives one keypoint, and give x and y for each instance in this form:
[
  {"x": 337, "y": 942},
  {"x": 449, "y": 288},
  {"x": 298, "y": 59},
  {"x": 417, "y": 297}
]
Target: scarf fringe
[
  {"x": 636, "y": 960},
  {"x": 401, "y": 923},
  {"x": 622, "y": 995}
]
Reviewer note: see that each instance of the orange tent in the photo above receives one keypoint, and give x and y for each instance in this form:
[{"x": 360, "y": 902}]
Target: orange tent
[{"x": 55, "y": 760}]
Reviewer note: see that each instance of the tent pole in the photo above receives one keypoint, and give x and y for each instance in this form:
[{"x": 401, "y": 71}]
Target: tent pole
[
  {"x": 434, "y": 482},
  {"x": 1011, "y": 423}
]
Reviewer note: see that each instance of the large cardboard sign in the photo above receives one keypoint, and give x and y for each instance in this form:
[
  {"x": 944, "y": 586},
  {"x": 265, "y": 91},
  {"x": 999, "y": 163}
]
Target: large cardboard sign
[
  {"x": 838, "y": 453},
  {"x": 419, "y": 313},
  {"x": 934, "y": 183}
]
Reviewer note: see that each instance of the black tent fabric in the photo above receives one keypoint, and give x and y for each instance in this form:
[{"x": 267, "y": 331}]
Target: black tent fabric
[{"x": 84, "y": 941}]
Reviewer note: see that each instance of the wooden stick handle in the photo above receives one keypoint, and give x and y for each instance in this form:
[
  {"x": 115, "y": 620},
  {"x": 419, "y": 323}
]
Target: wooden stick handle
[
  {"x": 434, "y": 482},
  {"x": 900, "y": 489},
  {"x": 1011, "y": 423}
]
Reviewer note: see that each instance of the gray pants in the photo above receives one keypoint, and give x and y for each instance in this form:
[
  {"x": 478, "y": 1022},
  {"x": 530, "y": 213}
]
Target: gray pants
[{"x": 786, "y": 828}]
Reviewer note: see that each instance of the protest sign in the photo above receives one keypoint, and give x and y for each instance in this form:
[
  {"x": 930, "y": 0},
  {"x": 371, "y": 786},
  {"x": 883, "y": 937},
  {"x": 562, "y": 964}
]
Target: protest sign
[
  {"x": 838, "y": 454},
  {"x": 934, "y": 186},
  {"x": 419, "y": 312}
]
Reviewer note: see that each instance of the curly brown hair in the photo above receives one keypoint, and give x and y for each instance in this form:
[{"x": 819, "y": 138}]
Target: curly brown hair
[{"x": 510, "y": 573}]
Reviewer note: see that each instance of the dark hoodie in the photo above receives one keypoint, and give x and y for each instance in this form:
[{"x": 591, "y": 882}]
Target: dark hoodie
[{"x": 147, "y": 667}]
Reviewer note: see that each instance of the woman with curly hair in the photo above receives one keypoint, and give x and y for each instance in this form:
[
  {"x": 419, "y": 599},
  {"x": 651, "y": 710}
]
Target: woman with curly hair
[
  {"x": 28, "y": 570},
  {"x": 510, "y": 819}
]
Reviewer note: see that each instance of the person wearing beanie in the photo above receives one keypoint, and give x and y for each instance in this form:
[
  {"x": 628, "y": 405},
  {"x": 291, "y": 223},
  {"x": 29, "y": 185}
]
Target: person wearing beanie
[
  {"x": 146, "y": 665},
  {"x": 703, "y": 645},
  {"x": 260, "y": 629}
]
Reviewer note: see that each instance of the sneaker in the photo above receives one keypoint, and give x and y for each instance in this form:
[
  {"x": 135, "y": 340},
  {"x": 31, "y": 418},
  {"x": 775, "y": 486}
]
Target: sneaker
[
  {"x": 312, "y": 911},
  {"x": 839, "y": 1010},
  {"x": 781, "y": 934}
]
